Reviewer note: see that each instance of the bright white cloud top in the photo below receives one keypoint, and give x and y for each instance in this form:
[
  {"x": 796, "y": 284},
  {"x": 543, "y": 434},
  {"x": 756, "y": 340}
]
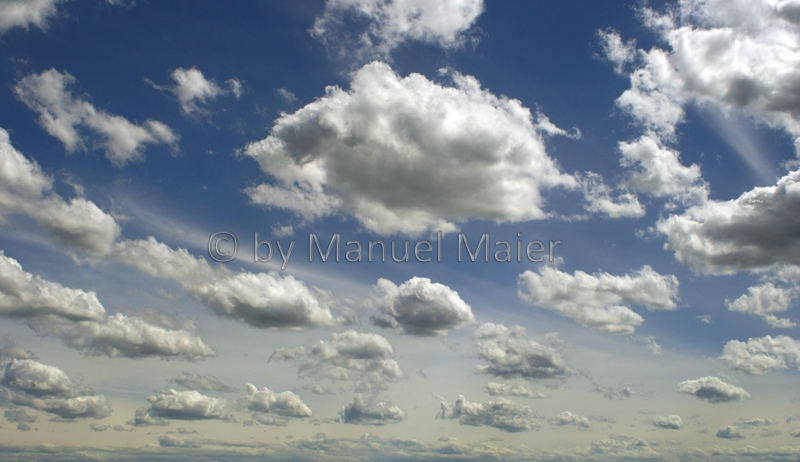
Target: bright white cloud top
[{"x": 395, "y": 152}]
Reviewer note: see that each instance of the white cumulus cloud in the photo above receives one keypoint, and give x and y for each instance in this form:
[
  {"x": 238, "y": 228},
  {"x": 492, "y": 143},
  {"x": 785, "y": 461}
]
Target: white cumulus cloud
[
  {"x": 756, "y": 230},
  {"x": 671, "y": 422},
  {"x": 599, "y": 300},
  {"x": 509, "y": 353},
  {"x": 62, "y": 114},
  {"x": 422, "y": 307},
  {"x": 758, "y": 356},
  {"x": 713, "y": 390},
  {"x": 353, "y": 356},
  {"x": 367, "y": 29},
  {"x": 570, "y": 418},
  {"x": 511, "y": 389},
  {"x": 26, "y": 13},
  {"x": 25, "y": 189},
  {"x": 395, "y": 153},
  {"x": 29, "y": 383},
  {"x": 764, "y": 300},
  {"x": 362, "y": 411},
  {"x": 80, "y": 320},
  {"x": 263, "y": 401},
  {"x": 500, "y": 413},
  {"x": 186, "y": 405},
  {"x": 259, "y": 299},
  {"x": 193, "y": 90}
]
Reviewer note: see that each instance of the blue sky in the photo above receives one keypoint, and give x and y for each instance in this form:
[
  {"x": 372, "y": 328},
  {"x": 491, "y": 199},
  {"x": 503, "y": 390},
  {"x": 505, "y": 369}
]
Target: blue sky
[{"x": 657, "y": 141}]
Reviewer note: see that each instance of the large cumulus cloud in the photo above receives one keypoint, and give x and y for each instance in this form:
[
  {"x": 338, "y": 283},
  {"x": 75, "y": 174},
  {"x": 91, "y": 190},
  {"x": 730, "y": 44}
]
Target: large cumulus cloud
[{"x": 395, "y": 152}]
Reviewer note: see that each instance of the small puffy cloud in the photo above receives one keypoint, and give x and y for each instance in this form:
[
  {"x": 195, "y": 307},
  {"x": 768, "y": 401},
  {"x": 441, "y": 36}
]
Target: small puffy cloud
[
  {"x": 616, "y": 50},
  {"x": 756, "y": 230},
  {"x": 368, "y": 29},
  {"x": 671, "y": 422},
  {"x": 652, "y": 100},
  {"x": 713, "y": 390},
  {"x": 395, "y": 152},
  {"x": 318, "y": 389},
  {"x": 614, "y": 392},
  {"x": 61, "y": 114},
  {"x": 511, "y": 354},
  {"x": 201, "y": 382},
  {"x": 287, "y": 353},
  {"x": 352, "y": 356},
  {"x": 142, "y": 417},
  {"x": 365, "y": 412},
  {"x": 80, "y": 320},
  {"x": 758, "y": 356},
  {"x": 656, "y": 170},
  {"x": 186, "y": 405},
  {"x": 287, "y": 96},
  {"x": 280, "y": 231},
  {"x": 78, "y": 223},
  {"x": 170, "y": 440},
  {"x": 500, "y": 413},
  {"x": 20, "y": 417},
  {"x": 600, "y": 199},
  {"x": 755, "y": 422},
  {"x": 265, "y": 300},
  {"x": 570, "y": 418},
  {"x": 421, "y": 307},
  {"x": 284, "y": 404},
  {"x": 653, "y": 346},
  {"x": 730, "y": 433},
  {"x": 95, "y": 427},
  {"x": 26, "y": 13},
  {"x": 29, "y": 383},
  {"x": 511, "y": 389},
  {"x": 598, "y": 300},
  {"x": 764, "y": 301},
  {"x": 193, "y": 90}
]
